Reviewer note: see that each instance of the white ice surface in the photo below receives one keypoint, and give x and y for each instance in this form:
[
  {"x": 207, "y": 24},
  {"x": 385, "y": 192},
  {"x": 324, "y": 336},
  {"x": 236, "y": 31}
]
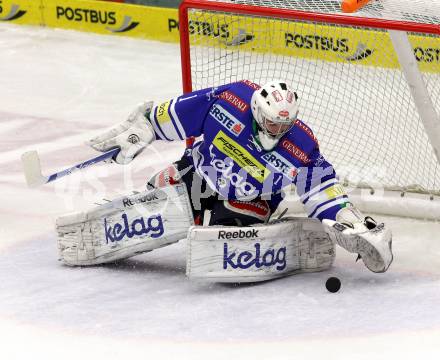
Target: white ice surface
[{"x": 57, "y": 89}]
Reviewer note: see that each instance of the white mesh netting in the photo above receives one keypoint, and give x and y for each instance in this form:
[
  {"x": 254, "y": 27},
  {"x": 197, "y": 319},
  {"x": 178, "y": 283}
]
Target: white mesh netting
[
  {"x": 419, "y": 11},
  {"x": 351, "y": 89}
]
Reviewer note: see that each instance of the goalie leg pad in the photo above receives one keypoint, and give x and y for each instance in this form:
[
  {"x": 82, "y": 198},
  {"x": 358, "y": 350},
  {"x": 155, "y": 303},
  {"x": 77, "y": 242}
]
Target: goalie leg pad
[
  {"x": 124, "y": 227},
  {"x": 258, "y": 253}
]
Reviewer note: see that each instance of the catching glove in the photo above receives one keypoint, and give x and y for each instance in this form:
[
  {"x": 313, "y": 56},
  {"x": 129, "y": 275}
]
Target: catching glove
[
  {"x": 131, "y": 136},
  {"x": 361, "y": 235}
]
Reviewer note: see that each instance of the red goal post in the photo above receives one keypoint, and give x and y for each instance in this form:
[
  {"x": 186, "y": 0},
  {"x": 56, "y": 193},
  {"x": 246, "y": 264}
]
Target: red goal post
[{"x": 392, "y": 87}]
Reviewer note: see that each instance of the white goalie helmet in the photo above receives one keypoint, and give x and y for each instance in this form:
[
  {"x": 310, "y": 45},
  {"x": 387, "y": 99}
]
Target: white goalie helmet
[{"x": 275, "y": 109}]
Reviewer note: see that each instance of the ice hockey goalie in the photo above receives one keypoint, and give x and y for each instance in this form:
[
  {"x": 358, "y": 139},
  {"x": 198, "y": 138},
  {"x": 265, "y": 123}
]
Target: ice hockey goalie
[{"x": 222, "y": 193}]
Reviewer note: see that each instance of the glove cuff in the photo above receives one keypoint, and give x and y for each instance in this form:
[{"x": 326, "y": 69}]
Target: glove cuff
[{"x": 350, "y": 215}]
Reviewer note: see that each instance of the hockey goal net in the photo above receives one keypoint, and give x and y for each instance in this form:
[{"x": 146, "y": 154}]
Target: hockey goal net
[{"x": 368, "y": 82}]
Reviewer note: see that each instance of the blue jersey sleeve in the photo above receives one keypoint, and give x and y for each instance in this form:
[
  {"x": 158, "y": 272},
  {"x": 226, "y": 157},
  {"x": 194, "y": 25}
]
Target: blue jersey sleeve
[
  {"x": 184, "y": 116},
  {"x": 319, "y": 190}
]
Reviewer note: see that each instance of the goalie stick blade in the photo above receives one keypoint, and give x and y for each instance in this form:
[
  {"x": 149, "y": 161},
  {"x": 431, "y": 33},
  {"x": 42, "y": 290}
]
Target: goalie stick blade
[{"x": 32, "y": 169}]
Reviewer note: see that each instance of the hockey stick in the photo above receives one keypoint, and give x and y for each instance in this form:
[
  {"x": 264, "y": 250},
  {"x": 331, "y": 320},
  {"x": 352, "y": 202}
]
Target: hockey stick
[{"x": 32, "y": 167}]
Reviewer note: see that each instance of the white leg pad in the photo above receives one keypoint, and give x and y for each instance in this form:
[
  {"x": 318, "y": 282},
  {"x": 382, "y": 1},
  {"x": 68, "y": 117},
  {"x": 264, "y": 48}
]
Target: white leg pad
[
  {"x": 124, "y": 227},
  {"x": 258, "y": 253}
]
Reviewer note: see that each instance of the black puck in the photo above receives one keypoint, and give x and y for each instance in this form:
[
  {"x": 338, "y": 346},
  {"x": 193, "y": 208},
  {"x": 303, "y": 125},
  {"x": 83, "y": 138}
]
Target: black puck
[{"x": 333, "y": 284}]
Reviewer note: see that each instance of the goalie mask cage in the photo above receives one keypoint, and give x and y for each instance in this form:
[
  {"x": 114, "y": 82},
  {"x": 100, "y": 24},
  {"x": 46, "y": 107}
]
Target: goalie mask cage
[{"x": 368, "y": 84}]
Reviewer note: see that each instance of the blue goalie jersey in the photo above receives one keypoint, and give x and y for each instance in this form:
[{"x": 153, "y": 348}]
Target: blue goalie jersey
[{"x": 231, "y": 160}]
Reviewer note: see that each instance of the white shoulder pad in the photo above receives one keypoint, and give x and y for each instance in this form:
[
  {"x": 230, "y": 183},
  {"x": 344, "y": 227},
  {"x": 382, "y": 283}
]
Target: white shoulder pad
[
  {"x": 258, "y": 253},
  {"x": 125, "y": 227}
]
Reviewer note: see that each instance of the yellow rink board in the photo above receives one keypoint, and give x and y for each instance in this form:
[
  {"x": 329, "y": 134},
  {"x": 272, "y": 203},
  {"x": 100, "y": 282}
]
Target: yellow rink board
[
  {"x": 99, "y": 17},
  {"x": 306, "y": 40},
  {"x": 110, "y": 18},
  {"x": 27, "y": 12}
]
